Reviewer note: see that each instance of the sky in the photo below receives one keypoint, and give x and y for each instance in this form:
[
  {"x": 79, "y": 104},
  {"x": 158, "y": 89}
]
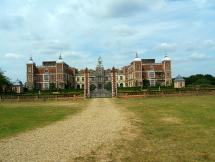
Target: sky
[{"x": 83, "y": 30}]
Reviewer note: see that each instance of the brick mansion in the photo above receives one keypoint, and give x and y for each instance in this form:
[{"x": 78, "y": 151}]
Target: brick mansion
[{"x": 60, "y": 75}]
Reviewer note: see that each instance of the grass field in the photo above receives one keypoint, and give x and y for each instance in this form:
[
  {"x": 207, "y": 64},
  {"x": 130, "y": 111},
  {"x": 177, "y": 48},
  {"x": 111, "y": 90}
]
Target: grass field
[
  {"x": 165, "y": 129},
  {"x": 19, "y": 117},
  {"x": 176, "y": 129}
]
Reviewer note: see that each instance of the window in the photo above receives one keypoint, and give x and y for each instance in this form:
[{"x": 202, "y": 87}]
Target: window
[
  {"x": 59, "y": 77},
  {"x": 59, "y": 69},
  {"x": 37, "y": 86},
  {"x": 53, "y": 78},
  {"x": 46, "y": 86},
  {"x": 152, "y": 83},
  {"x": 29, "y": 69},
  {"x": 137, "y": 75},
  {"x": 37, "y": 78},
  {"x": 30, "y": 78},
  {"x": 167, "y": 74},
  {"x": 78, "y": 79},
  {"x": 82, "y": 79},
  {"x": 138, "y": 67},
  {"x": 151, "y": 74},
  {"x": 121, "y": 78},
  {"x": 46, "y": 77}
]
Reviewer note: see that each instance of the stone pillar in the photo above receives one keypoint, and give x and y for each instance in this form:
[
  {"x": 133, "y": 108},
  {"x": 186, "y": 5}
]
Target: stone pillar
[
  {"x": 114, "y": 82},
  {"x": 86, "y": 83}
]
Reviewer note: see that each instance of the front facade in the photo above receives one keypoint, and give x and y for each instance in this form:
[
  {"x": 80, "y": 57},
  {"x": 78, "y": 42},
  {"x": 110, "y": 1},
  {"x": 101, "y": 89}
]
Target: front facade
[
  {"x": 142, "y": 71},
  {"x": 51, "y": 75},
  {"x": 60, "y": 75}
]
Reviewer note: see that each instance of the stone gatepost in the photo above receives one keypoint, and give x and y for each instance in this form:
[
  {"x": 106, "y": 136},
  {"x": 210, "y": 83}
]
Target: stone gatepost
[
  {"x": 86, "y": 83},
  {"x": 114, "y": 82}
]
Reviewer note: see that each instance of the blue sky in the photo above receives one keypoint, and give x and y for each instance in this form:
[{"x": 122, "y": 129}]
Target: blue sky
[{"x": 83, "y": 30}]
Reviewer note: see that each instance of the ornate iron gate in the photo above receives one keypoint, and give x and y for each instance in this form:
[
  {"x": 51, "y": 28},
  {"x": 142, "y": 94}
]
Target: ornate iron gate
[{"x": 104, "y": 82}]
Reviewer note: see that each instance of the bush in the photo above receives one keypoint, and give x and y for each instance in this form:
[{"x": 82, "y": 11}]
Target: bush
[{"x": 129, "y": 89}]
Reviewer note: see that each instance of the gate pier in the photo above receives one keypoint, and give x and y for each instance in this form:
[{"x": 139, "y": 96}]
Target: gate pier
[
  {"x": 86, "y": 83},
  {"x": 114, "y": 82}
]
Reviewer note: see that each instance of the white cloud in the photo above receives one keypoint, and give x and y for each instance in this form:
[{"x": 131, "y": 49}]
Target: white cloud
[
  {"x": 12, "y": 56},
  {"x": 166, "y": 47},
  {"x": 199, "y": 56}
]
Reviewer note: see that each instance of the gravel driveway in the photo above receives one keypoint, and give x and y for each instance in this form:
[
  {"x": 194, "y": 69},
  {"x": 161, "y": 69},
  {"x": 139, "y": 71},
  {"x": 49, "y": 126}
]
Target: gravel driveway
[{"x": 100, "y": 123}]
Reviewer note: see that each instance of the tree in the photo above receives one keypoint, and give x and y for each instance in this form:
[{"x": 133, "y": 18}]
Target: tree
[
  {"x": 200, "y": 79},
  {"x": 146, "y": 83},
  {"x": 211, "y": 78},
  {"x": 4, "y": 81},
  {"x": 52, "y": 87}
]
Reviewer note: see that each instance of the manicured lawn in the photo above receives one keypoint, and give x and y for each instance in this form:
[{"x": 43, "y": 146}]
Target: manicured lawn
[
  {"x": 175, "y": 129},
  {"x": 19, "y": 117}
]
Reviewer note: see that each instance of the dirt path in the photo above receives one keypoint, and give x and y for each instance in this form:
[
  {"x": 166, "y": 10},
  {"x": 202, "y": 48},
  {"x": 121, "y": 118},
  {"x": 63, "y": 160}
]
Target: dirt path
[{"x": 76, "y": 136}]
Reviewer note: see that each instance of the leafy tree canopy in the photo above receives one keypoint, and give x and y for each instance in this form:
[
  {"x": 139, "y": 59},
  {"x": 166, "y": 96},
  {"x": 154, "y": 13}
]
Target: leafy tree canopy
[
  {"x": 200, "y": 79},
  {"x": 4, "y": 81}
]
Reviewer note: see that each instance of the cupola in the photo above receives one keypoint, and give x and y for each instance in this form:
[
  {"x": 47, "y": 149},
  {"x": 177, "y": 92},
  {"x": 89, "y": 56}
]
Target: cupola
[
  {"x": 60, "y": 60},
  {"x": 166, "y": 58},
  {"x": 137, "y": 58},
  {"x": 31, "y": 60}
]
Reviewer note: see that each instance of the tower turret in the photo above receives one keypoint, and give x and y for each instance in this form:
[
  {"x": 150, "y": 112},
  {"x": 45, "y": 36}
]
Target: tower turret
[
  {"x": 30, "y": 73},
  {"x": 137, "y": 66},
  {"x": 60, "y": 73},
  {"x": 167, "y": 70}
]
